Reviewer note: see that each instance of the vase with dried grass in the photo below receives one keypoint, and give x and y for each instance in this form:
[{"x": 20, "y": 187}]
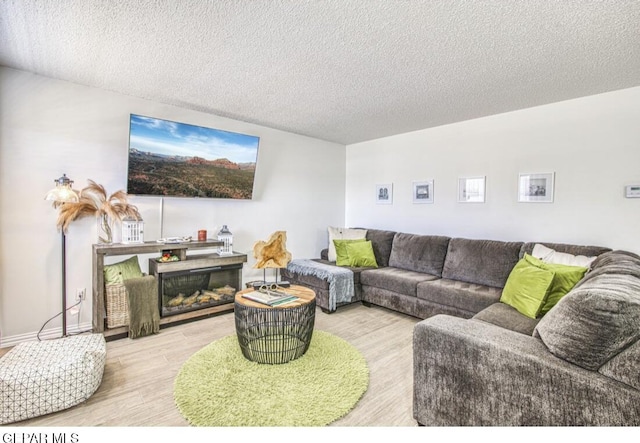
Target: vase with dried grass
[{"x": 93, "y": 201}]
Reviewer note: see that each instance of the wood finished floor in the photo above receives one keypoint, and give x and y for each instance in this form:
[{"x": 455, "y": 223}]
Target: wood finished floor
[{"x": 137, "y": 386}]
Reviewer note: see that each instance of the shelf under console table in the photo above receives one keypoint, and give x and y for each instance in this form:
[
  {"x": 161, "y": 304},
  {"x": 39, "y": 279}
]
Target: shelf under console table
[{"x": 186, "y": 262}]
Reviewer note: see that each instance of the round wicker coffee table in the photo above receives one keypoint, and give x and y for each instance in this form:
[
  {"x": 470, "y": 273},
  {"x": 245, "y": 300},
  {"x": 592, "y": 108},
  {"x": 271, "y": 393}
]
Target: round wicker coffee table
[{"x": 278, "y": 334}]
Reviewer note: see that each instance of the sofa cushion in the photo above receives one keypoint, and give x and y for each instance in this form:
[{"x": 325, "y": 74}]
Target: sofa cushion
[
  {"x": 401, "y": 281},
  {"x": 420, "y": 253},
  {"x": 508, "y": 317},
  {"x": 382, "y": 242},
  {"x": 484, "y": 262},
  {"x": 527, "y": 287},
  {"x": 595, "y": 321},
  {"x": 613, "y": 262},
  {"x": 624, "y": 366},
  {"x": 458, "y": 294}
]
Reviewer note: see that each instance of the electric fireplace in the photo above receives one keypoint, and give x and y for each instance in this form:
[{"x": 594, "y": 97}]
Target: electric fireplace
[{"x": 193, "y": 286}]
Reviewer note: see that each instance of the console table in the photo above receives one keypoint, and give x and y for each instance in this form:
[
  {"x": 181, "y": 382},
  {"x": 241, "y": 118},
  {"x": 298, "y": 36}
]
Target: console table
[{"x": 100, "y": 251}]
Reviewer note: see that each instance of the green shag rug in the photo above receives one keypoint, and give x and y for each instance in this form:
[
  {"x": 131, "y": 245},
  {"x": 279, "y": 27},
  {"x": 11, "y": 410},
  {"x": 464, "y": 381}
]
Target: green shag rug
[{"x": 217, "y": 386}]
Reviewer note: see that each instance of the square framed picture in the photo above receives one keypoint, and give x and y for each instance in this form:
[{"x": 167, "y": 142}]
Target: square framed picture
[
  {"x": 471, "y": 189},
  {"x": 536, "y": 188},
  {"x": 384, "y": 194},
  {"x": 423, "y": 191}
]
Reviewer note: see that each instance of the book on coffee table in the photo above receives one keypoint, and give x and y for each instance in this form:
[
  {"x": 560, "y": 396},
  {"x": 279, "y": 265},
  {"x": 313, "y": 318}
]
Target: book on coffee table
[{"x": 270, "y": 298}]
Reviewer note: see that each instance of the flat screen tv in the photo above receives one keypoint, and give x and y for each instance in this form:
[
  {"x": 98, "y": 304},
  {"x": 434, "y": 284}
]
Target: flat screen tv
[{"x": 172, "y": 159}]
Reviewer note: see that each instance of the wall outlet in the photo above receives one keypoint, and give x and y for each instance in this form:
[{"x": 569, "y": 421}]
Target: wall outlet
[{"x": 81, "y": 294}]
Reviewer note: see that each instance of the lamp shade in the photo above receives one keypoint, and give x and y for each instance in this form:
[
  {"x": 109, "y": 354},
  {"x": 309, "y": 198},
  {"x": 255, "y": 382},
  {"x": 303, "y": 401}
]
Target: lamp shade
[{"x": 62, "y": 193}]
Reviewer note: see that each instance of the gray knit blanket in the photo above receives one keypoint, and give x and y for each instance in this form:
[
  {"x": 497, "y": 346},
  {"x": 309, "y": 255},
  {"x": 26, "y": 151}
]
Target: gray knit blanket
[{"x": 340, "y": 279}]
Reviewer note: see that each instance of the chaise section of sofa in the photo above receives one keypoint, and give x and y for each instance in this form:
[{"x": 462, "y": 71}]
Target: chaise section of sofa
[
  {"x": 472, "y": 373},
  {"x": 381, "y": 241}
]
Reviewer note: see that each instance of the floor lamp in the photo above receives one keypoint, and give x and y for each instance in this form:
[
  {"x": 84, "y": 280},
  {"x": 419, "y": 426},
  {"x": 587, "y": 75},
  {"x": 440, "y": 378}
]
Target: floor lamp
[{"x": 63, "y": 193}]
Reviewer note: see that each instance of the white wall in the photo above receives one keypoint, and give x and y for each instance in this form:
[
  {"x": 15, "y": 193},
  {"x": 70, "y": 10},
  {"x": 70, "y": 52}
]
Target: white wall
[
  {"x": 49, "y": 127},
  {"x": 592, "y": 144}
]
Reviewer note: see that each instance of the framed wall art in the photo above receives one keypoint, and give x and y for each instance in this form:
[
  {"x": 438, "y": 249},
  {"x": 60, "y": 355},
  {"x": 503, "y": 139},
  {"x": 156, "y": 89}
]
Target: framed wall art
[
  {"x": 471, "y": 189},
  {"x": 384, "y": 194},
  {"x": 423, "y": 191},
  {"x": 536, "y": 188}
]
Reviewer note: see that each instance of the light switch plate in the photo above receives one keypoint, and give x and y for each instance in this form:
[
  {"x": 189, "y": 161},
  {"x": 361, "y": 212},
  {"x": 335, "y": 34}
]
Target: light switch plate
[{"x": 632, "y": 191}]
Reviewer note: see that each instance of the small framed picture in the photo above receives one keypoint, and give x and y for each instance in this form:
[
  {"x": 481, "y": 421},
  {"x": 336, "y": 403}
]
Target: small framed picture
[
  {"x": 423, "y": 191},
  {"x": 471, "y": 189},
  {"x": 384, "y": 194},
  {"x": 536, "y": 188}
]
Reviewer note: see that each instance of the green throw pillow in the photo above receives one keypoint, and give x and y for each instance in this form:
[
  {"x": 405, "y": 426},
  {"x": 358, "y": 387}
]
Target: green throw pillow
[
  {"x": 564, "y": 280},
  {"x": 361, "y": 254},
  {"x": 121, "y": 271},
  {"x": 527, "y": 288},
  {"x": 342, "y": 258}
]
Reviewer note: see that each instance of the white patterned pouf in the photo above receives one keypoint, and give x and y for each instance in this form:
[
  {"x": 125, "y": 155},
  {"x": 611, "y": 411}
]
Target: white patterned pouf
[{"x": 37, "y": 378}]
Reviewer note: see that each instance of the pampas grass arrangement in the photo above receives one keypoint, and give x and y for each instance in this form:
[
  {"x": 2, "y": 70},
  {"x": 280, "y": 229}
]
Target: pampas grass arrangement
[{"x": 94, "y": 202}]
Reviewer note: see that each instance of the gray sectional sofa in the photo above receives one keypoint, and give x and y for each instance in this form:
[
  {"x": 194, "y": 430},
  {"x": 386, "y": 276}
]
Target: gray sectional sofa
[
  {"x": 425, "y": 275},
  {"x": 479, "y": 362}
]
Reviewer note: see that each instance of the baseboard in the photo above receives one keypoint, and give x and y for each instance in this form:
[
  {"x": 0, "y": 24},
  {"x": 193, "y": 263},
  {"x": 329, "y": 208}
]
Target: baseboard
[{"x": 47, "y": 334}]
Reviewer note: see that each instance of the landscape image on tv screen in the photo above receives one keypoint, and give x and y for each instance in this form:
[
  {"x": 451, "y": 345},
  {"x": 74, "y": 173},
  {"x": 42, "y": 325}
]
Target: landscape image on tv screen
[{"x": 174, "y": 159}]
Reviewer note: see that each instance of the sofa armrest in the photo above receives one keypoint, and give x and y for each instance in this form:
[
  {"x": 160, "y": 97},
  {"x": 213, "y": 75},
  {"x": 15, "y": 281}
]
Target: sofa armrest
[{"x": 472, "y": 373}]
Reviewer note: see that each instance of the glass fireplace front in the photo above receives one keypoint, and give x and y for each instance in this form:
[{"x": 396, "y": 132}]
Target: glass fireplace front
[{"x": 183, "y": 291}]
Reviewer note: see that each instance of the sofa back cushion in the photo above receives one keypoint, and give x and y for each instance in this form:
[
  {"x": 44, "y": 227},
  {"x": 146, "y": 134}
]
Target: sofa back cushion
[
  {"x": 614, "y": 262},
  {"x": 624, "y": 366},
  {"x": 483, "y": 262},
  {"x": 381, "y": 241},
  {"x": 600, "y": 317},
  {"x": 419, "y": 253}
]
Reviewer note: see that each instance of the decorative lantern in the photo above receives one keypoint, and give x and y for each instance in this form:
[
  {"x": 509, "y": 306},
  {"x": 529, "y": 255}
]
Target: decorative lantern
[
  {"x": 132, "y": 231},
  {"x": 226, "y": 238}
]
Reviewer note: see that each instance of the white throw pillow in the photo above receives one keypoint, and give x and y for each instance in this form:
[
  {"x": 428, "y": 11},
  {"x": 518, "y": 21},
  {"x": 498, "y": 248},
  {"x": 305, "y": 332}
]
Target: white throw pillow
[
  {"x": 343, "y": 234},
  {"x": 549, "y": 255}
]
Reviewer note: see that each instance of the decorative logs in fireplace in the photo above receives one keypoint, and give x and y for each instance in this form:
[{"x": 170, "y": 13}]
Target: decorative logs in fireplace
[
  {"x": 201, "y": 298},
  {"x": 197, "y": 283}
]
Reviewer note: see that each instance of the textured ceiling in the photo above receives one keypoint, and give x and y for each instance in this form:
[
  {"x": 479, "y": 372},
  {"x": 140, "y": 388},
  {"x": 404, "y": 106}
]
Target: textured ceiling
[{"x": 339, "y": 70}]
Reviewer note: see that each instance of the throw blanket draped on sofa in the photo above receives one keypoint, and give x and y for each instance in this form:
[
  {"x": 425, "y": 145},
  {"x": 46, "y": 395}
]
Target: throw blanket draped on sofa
[{"x": 340, "y": 279}]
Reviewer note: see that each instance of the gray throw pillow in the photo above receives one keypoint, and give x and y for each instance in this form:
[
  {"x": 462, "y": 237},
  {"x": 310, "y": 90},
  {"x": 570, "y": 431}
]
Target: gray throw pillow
[{"x": 593, "y": 322}]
